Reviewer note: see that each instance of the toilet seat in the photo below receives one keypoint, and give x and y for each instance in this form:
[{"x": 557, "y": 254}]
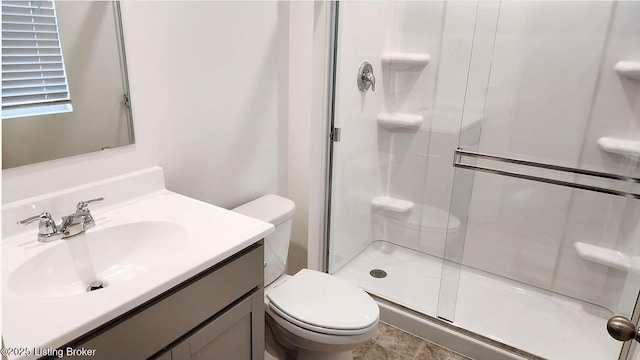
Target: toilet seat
[
  {"x": 321, "y": 330},
  {"x": 325, "y": 304}
]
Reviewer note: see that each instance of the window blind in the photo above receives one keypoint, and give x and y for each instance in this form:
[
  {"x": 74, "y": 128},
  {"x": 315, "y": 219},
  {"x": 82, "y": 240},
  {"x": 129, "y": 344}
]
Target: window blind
[{"x": 33, "y": 72}]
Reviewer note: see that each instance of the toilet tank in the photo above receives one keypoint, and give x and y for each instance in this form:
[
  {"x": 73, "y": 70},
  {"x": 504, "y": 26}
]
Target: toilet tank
[{"x": 278, "y": 211}]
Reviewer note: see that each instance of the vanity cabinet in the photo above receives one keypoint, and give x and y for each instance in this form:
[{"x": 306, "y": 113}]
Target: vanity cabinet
[
  {"x": 227, "y": 337},
  {"x": 218, "y": 314}
]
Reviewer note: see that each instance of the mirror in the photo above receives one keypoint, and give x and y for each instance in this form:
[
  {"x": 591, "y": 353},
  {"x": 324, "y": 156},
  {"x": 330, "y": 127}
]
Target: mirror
[{"x": 99, "y": 115}]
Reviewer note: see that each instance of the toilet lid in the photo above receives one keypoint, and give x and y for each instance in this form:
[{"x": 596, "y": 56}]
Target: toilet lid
[{"x": 314, "y": 300}]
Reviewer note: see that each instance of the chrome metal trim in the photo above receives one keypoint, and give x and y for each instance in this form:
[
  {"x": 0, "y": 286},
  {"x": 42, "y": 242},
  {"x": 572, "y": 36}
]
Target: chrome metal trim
[
  {"x": 335, "y": 134},
  {"x": 123, "y": 66},
  {"x": 461, "y": 152},
  {"x": 71, "y": 225},
  {"x": 47, "y": 228},
  {"x": 331, "y": 97},
  {"x": 458, "y": 153},
  {"x": 365, "y": 78},
  {"x": 635, "y": 319}
]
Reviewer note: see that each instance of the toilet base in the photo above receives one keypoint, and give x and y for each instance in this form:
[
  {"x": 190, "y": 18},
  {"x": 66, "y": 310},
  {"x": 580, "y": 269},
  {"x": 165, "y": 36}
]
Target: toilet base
[
  {"x": 268, "y": 356},
  {"x": 274, "y": 349},
  {"x": 285, "y": 345}
]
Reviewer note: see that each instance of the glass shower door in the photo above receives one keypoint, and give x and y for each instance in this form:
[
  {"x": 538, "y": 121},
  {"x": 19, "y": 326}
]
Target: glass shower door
[
  {"x": 392, "y": 174},
  {"x": 550, "y": 233},
  {"x": 380, "y": 162}
]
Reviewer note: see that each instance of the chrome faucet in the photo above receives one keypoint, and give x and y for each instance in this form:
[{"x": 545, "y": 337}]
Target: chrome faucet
[{"x": 71, "y": 225}]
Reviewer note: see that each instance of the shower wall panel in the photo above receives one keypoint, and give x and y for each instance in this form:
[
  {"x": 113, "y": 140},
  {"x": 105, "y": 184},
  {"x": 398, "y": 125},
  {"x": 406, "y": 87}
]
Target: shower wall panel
[
  {"x": 359, "y": 166},
  {"x": 552, "y": 93},
  {"x": 609, "y": 222},
  {"x": 411, "y": 164}
]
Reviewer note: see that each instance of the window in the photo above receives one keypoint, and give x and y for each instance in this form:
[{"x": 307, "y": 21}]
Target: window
[{"x": 34, "y": 80}]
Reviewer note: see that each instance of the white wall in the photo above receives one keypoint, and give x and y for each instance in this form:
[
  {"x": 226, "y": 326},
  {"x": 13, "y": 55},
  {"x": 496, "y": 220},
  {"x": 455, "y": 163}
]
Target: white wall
[
  {"x": 217, "y": 81},
  {"x": 209, "y": 87},
  {"x": 300, "y": 135}
]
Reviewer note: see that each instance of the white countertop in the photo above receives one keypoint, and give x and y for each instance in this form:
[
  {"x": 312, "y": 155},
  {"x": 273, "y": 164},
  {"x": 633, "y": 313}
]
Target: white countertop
[{"x": 212, "y": 235}]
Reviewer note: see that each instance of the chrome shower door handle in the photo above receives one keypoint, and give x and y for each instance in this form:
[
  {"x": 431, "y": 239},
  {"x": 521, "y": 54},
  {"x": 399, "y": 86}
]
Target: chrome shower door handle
[
  {"x": 620, "y": 328},
  {"x": 366, "y": 78}
]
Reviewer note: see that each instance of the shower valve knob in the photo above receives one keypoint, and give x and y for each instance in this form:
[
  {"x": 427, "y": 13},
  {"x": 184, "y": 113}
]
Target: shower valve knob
[
  {"x": 366, "y": 79},
  {"x": 620, "y": 328}
]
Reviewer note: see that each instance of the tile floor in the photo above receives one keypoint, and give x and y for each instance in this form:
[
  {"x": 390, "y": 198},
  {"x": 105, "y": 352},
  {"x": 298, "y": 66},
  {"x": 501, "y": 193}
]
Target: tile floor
[{"x": 390, "y": 343}]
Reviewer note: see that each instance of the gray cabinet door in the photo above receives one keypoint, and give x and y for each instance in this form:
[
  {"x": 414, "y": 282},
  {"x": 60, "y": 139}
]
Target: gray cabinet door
[{"x": 231, "y": 335}]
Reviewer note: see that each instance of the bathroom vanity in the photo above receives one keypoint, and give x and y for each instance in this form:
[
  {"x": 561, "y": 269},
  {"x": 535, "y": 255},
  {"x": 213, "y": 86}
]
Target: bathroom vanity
[
  {"x": 182, "y": 279},
  {"x": 218, "y": 314}
]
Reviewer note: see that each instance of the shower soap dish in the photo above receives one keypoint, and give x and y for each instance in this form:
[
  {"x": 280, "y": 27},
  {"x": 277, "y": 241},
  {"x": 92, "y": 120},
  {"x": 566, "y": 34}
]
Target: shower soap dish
[
  {"x": 399, "y": 61},
  {"x": 399, "y": 120},
  {"x": 628, "y": 69},
  {"x": 629, "y": 148},
  {"x": 609, "y": 257},
  {"x": 391, "y": 204}
]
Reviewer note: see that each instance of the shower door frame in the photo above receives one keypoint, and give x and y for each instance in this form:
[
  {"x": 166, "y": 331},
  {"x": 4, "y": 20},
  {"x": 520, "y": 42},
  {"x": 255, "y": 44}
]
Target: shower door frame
[{"x": 330, "y": 100}]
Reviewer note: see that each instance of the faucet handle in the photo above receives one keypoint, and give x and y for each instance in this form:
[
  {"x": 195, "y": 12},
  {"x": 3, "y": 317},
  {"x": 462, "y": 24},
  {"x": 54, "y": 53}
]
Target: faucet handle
[
  {"x": 83, "y": 205},
  {"x": 83, "y": 213},
  {"x": 44, "y": 216},
  {"x": 371, "y": 79},
  {"x": 47, "y": 229}
]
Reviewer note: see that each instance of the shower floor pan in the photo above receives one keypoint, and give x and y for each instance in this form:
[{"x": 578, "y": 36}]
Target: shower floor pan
[{"x": 539, "y": 322}]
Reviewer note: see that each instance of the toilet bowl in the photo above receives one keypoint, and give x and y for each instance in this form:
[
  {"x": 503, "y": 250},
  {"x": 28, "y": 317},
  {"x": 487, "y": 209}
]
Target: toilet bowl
[{"x": 310, "y": 315}]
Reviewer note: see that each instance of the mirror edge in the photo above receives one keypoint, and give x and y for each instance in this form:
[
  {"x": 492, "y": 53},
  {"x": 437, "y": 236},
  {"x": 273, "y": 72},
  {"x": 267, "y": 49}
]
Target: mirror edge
[{"x": 123, "y": 67}]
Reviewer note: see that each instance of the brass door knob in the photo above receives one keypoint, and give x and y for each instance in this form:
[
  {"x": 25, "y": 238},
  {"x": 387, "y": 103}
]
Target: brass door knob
[{"x": 620, "y": 328}]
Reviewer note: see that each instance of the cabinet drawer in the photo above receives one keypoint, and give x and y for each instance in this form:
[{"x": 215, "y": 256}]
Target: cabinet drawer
[{"x": 161, "y": 321}]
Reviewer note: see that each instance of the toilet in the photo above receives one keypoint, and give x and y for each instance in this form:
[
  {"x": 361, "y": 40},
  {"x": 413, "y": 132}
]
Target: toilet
[{"x": 310, "y": 315}]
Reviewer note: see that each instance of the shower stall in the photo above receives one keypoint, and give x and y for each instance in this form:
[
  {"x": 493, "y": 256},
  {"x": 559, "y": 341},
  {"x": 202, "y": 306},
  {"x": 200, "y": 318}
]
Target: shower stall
[{"x": 491, "y": 181}]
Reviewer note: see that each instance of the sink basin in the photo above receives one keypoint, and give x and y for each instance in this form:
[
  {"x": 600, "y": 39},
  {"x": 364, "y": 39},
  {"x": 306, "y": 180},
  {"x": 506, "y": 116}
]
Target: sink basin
[{"x": 111, "y": 255}]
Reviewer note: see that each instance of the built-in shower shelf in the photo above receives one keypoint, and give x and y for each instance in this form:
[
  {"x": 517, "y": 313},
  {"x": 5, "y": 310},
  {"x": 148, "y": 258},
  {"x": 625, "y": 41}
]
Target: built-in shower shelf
[
  {"x": 399, "y": 120},
  {"x": 400, "y": 61},
  {"x": 628, "y": 69},
  {"x": 609, "y": 257},
  {"x": 630, "y": 148},
  {"x": 391, "y": 204}
]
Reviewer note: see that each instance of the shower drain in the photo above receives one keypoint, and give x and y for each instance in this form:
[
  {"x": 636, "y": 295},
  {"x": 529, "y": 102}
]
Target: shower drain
[{"x": 378, "y": 273}]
